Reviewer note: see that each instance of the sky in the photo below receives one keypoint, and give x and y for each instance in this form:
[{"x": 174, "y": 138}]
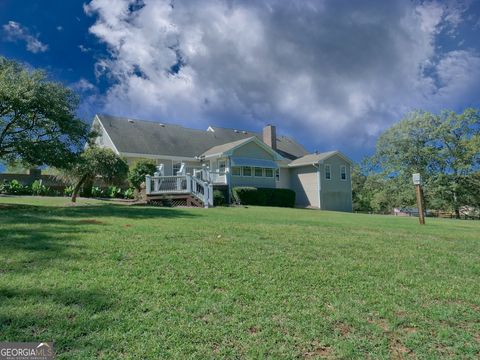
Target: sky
[{"x": 333, "y": 74}]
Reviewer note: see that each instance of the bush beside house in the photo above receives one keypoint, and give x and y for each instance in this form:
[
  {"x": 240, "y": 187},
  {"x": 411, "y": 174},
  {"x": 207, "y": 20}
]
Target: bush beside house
[{"x": 264, "y": 196}]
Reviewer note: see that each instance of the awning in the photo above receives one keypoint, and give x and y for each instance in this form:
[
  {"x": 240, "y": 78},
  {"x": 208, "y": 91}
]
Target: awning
[{"x": 242, "y": 161}]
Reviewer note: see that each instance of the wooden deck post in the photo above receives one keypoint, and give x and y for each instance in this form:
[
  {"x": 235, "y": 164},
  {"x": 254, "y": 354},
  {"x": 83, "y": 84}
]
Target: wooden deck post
[{"x": 148, "y": 184}]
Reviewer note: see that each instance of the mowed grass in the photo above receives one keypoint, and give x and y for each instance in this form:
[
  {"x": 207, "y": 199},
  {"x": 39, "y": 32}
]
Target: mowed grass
[{"x": 112, "y": 281}]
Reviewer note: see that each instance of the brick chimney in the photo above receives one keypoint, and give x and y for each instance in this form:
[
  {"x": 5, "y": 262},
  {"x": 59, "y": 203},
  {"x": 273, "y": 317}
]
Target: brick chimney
[{"x": 270, "y": 136}]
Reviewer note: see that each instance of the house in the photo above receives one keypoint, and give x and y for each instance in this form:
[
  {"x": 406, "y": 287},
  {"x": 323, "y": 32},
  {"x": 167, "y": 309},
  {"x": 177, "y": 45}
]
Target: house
[{"x": 227, "y": 158}]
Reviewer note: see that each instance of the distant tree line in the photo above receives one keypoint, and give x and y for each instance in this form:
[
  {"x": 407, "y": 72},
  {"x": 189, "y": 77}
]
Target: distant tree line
[{"x": 444, "y": 148}]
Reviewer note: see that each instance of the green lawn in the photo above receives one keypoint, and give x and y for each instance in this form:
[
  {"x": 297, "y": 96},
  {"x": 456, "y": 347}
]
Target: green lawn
[{"x": 112, "y": 281}]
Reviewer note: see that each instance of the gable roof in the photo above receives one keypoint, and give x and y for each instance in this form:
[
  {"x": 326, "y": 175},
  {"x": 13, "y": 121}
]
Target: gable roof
[
  {"x": 316, "y": 158},
  {"x": 286, "y": 146},
  {"x": 228, "y": 148},
  {"x": 153, "y": 138}
]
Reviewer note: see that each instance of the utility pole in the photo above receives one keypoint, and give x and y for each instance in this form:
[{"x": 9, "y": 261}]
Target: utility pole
[{"x": 417, "y": 181}]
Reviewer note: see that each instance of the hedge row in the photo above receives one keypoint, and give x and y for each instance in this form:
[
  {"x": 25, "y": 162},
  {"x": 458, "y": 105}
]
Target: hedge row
[{"x": 264, "y": 196}]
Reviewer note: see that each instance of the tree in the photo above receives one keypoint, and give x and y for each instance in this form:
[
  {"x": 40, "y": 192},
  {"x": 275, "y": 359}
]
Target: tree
[
  {"x": 95, "y": 162},
  {"x": 37, "y": 118},
  {"x": 444, "y": 149},
  {"x": 137, "y": 174}
]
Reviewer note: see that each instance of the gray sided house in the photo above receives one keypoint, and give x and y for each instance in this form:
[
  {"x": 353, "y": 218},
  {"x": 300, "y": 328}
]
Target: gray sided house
[{"x": 227, "y": 158}]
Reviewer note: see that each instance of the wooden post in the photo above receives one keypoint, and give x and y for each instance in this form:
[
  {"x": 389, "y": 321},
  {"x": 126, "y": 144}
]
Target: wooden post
[{"x": 418, "y": 190}]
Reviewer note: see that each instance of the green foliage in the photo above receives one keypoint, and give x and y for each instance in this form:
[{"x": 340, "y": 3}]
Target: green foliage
[
  {"x": 137, "y": 173},
  {"x": 39, "y": 189},
  {"x": 129, "y": 193},
  {"x": 444, "y": 149},
  {"x": 114, "y": 192},
  {"x": 247, "y": 195},
  {"x": 14, "y": 187},
  {"x": 38, "y": 124},
  {"x": 219, "y": 198},
  {"x": 97, "y": 192},
  {"x": 68, "y": 191},
  {"x": 102, "y": 162}
]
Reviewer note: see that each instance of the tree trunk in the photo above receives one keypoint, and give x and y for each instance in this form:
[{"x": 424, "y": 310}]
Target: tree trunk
[
  {"x": 457, "y": 208},
  {"x": 77, "y": 188}
]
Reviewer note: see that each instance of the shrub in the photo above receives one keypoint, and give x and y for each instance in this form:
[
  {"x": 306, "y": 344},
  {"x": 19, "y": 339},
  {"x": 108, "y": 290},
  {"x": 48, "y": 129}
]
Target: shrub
[
  {"x": 68, "y": 191},
  {"x": 264, "y": 196},
  {"x": 137, "y": 174},
  {"x": 114, "y": 192},
  {"x": 129, "y": 193},
  {"x": 97, "y": 192},
  {"x": 219, "y": 198},
  {"x": 14, "y": 187},
  {"x": 39, "y": 189}
]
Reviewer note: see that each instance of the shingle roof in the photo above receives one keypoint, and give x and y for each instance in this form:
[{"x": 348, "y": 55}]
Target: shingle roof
[
  {"x": 315, "y": 158},
  {"x": 219, "y": 149},
  {"x": 154, "y": 138},
  {"x": 286, "y": 146}
]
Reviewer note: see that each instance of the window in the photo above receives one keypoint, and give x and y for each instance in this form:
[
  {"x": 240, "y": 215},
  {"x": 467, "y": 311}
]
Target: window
[
  {"x": 328, "y": 172},
  {"x": 221, "y": 165},
  {"x": 258, "y": 172},
  {"x": 343, "y": 172},
  {"x": 247, "y": 171},
  {"x": 277, "y": 174},
  {"x": 176, "y": 167},
  {"x": 236, "y": 171},
  {"x": 269, "y": 173}
]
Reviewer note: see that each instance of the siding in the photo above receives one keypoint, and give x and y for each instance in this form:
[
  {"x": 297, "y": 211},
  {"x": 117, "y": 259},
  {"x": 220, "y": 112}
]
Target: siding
[
  {"x": 303, "y": 180},
  {"x": 252, "y": 150},
  {"x": 335, "y": 194},
  {"x": 284, "y": 182},
  {"x": 253, "y": 181}
]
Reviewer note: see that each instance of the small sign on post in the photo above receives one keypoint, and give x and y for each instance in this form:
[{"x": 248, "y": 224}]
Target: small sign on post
[{"x": 417, "y": 181}]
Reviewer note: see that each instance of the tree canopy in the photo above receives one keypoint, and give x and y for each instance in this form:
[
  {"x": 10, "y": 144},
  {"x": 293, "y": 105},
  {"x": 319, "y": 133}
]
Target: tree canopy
[
  {"x": 137, "y": 174},
  {"x": 101, "y": 162},
  {"x": 38, "y": 124},
  {"x": 444, "y": 148}
]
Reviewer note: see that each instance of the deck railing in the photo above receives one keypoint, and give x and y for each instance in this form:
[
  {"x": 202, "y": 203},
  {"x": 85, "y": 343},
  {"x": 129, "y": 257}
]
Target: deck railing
[{"x": 180, "y": 184}]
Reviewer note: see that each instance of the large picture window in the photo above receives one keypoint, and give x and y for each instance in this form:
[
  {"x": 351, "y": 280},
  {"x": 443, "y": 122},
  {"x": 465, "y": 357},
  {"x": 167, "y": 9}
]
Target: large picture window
[{"x": 269, "y": 173}]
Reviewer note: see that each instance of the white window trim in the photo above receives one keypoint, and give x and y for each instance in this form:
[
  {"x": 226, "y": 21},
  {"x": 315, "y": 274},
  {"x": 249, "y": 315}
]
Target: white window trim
[
  {"x": 343, "y": 167},
  {"x": 275, "y": 174},
  {"x": 330, "y": 172}
]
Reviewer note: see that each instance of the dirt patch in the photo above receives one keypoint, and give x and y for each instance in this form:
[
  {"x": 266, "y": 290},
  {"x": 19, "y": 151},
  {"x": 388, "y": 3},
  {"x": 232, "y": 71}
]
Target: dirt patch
[
  {"x": 343, "y": 329},
  {"x": 91, "y": 221},
  {"x": 322, "y": 352},
  {"x": 398, "y": 350},
  {"x": 381, "y": 323},
  {"x": 127, "y": 225},
  {"x": 409, "y": 330},
  {"x": 253, "y": 330}
]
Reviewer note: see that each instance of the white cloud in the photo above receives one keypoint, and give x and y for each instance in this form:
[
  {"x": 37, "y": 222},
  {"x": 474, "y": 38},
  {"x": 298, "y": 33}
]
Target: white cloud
[
  {"x": 14, "y": 31},
  {"x": 83, "y": 48},
  {"x": 333, "y": 73},
  {"x": 59, "y": 28}
]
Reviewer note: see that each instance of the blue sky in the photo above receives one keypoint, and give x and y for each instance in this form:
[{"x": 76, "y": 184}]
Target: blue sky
[{"x": 333, "y": 74}]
